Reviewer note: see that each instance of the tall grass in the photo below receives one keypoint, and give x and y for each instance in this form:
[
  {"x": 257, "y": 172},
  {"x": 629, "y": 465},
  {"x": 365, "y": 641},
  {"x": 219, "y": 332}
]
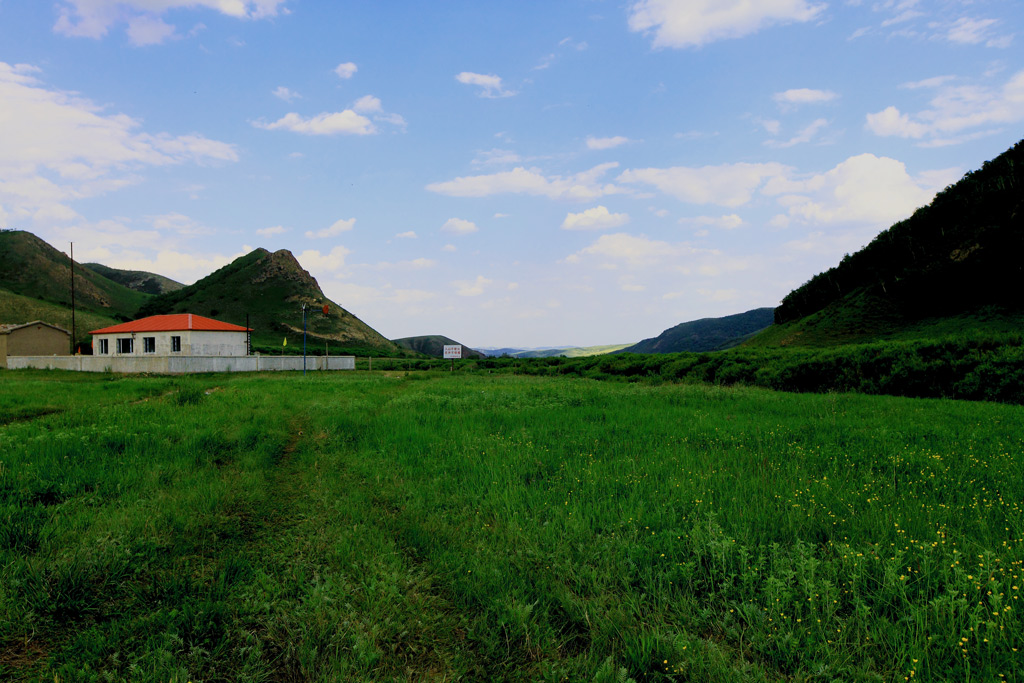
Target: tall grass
[{"x": 494, "y": 527}]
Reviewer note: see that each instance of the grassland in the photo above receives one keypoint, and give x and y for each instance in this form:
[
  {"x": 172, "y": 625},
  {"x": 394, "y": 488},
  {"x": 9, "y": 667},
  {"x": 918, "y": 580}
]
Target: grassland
[{"x": 438, "y": 526}]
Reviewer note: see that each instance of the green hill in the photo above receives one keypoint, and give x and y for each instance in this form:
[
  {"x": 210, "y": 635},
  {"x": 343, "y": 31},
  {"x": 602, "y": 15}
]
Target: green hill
[
  {"x": 955, "y": 266},
  {"x": 706, "y": 334},
  {"x": 137, "y": 280},
  {"x": 270, "y": 289},
  {"x": 433, "y": 345},
  {"x": 35, "y": 284},
  {"x": 16, "y": 308}
]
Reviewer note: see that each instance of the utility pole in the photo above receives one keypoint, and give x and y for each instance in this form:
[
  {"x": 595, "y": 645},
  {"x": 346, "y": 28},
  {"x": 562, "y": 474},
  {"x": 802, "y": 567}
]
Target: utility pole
[
  {"x": 303, "y": 340},
  {"x": 72, "y": 298}
]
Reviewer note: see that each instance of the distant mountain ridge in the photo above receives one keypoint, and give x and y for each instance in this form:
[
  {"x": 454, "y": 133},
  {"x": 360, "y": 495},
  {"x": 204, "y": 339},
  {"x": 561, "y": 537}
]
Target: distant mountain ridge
[
  {"x": 433, "y": 345},
  {"x": 137, "y": 280},
  {"x": 707, "y": 334},
  {"x": 553, "y": 351}
]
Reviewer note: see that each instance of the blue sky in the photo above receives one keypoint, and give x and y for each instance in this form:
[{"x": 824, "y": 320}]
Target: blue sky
[{"x": 511, "y": 173}]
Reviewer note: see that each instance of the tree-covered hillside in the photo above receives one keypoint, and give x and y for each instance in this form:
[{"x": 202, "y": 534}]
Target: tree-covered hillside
[{"x": 960, "y": 254}]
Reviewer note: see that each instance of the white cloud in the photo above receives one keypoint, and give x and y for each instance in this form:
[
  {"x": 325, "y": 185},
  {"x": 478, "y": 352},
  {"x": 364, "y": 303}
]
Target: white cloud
[
  {"x": 336, "y": 228},
  {"x": 94, "y": 18},
  {"x": 626, "y": 284},
  {"x": 890, "y": 121},
  {"x": 275, "y": 230},
  {"x": 408, "y": 235},
  {"x": 805, "y": 135},
  {"x": 367, "y": 104},
  {"x": 313, "y": 260},
  {"x": 606, "y": 143},
  {"x": 692, "y": 23},
  {"x": 727, "y": 222},
  {"x": 864, "y": 189},
  {"x": 489, "y": 84},
  {"x": 158, "y": 247},
  {"x": 798, "y": 96},
  {"x": 953, "y": 111},
  {"x": 970, "y": 31},
  {"x": 51, "y": 214},
  {"x": 449, "y": 248},
  {"x": 471, "y": 287},
  {"x": 346, "y": 70},
  {"x": 933, "y": 82},
  {"x": 636, "y": 251},
  {"x": 285, "y": 94},
  {"x": 459, "y": 226},
  {"x": 148, "y": 30},
  {"x": 725, "y": 185},
  {"x": 182, "y": 266},
  {"x": 580, "y": 187},
  {"x": 58, "y": 147},
  {"x": 597, "y": 218},
  {"x": 902, "y": 17},
  {"x": 177, "y": 223},
  {"x": 496, "y": 157},
  {"x": 345, "y": 122}
]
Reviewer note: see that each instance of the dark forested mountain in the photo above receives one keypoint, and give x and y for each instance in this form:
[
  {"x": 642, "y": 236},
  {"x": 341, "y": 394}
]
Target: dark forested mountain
[
  {"x": 960, "y": 254},
  {"x": 706, "y": 334}
]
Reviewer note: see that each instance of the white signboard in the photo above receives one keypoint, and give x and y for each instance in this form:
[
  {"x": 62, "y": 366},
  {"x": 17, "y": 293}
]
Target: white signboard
[{"x": 453, "y": 351}]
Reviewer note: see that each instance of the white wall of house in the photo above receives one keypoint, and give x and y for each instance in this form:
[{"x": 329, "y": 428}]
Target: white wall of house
[{"x": 190, "y": 343}]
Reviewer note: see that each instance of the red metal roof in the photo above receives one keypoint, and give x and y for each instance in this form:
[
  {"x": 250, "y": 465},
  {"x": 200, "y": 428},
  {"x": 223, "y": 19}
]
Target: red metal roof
[{"x": 172, "y": 323}]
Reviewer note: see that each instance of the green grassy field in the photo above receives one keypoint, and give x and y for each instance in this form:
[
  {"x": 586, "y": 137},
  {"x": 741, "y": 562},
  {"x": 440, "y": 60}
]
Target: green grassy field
[{"x": 430, "y": 527}]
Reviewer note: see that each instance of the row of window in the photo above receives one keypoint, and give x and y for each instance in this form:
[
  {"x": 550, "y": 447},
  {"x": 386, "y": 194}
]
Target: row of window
[{"x": 126, "y": 345}]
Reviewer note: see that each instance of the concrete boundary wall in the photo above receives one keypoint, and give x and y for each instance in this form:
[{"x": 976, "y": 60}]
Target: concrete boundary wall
[{"x": 179, "y": 365}]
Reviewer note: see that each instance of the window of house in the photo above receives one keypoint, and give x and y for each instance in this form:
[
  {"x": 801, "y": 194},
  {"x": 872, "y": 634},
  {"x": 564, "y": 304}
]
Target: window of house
[
  {"x": 175, "y": 344},
  {"x": 104, "y": 346},
  {"x": 126, "y": 345},
  {"x": 149, "y": 344}
]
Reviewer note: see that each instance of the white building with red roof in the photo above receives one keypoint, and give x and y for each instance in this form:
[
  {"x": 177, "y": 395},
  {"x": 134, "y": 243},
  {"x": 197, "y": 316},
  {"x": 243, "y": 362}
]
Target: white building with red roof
[{"x": 180, "y": 334}]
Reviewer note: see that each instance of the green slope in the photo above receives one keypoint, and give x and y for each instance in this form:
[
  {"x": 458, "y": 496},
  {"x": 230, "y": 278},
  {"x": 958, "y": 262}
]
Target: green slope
[
  {"x": 16, "y": 308},
  {"x": 433, "y": 345},
  {"x": 32, "y": 268},
  {"x": 270, "y": 288},
  {"x": 137, "y": 280},
  {"x": 706, "y": 334},
  {"x": 954, "y": 267}
]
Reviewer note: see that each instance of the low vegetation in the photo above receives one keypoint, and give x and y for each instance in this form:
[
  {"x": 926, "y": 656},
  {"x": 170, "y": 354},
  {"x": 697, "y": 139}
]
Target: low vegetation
[
  {"x": 986, "y": 368},
  {"x": 446, "y": 526}
]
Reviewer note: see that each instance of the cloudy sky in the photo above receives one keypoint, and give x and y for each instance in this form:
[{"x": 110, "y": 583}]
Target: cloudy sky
[{"x": 509, "y": 172}]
